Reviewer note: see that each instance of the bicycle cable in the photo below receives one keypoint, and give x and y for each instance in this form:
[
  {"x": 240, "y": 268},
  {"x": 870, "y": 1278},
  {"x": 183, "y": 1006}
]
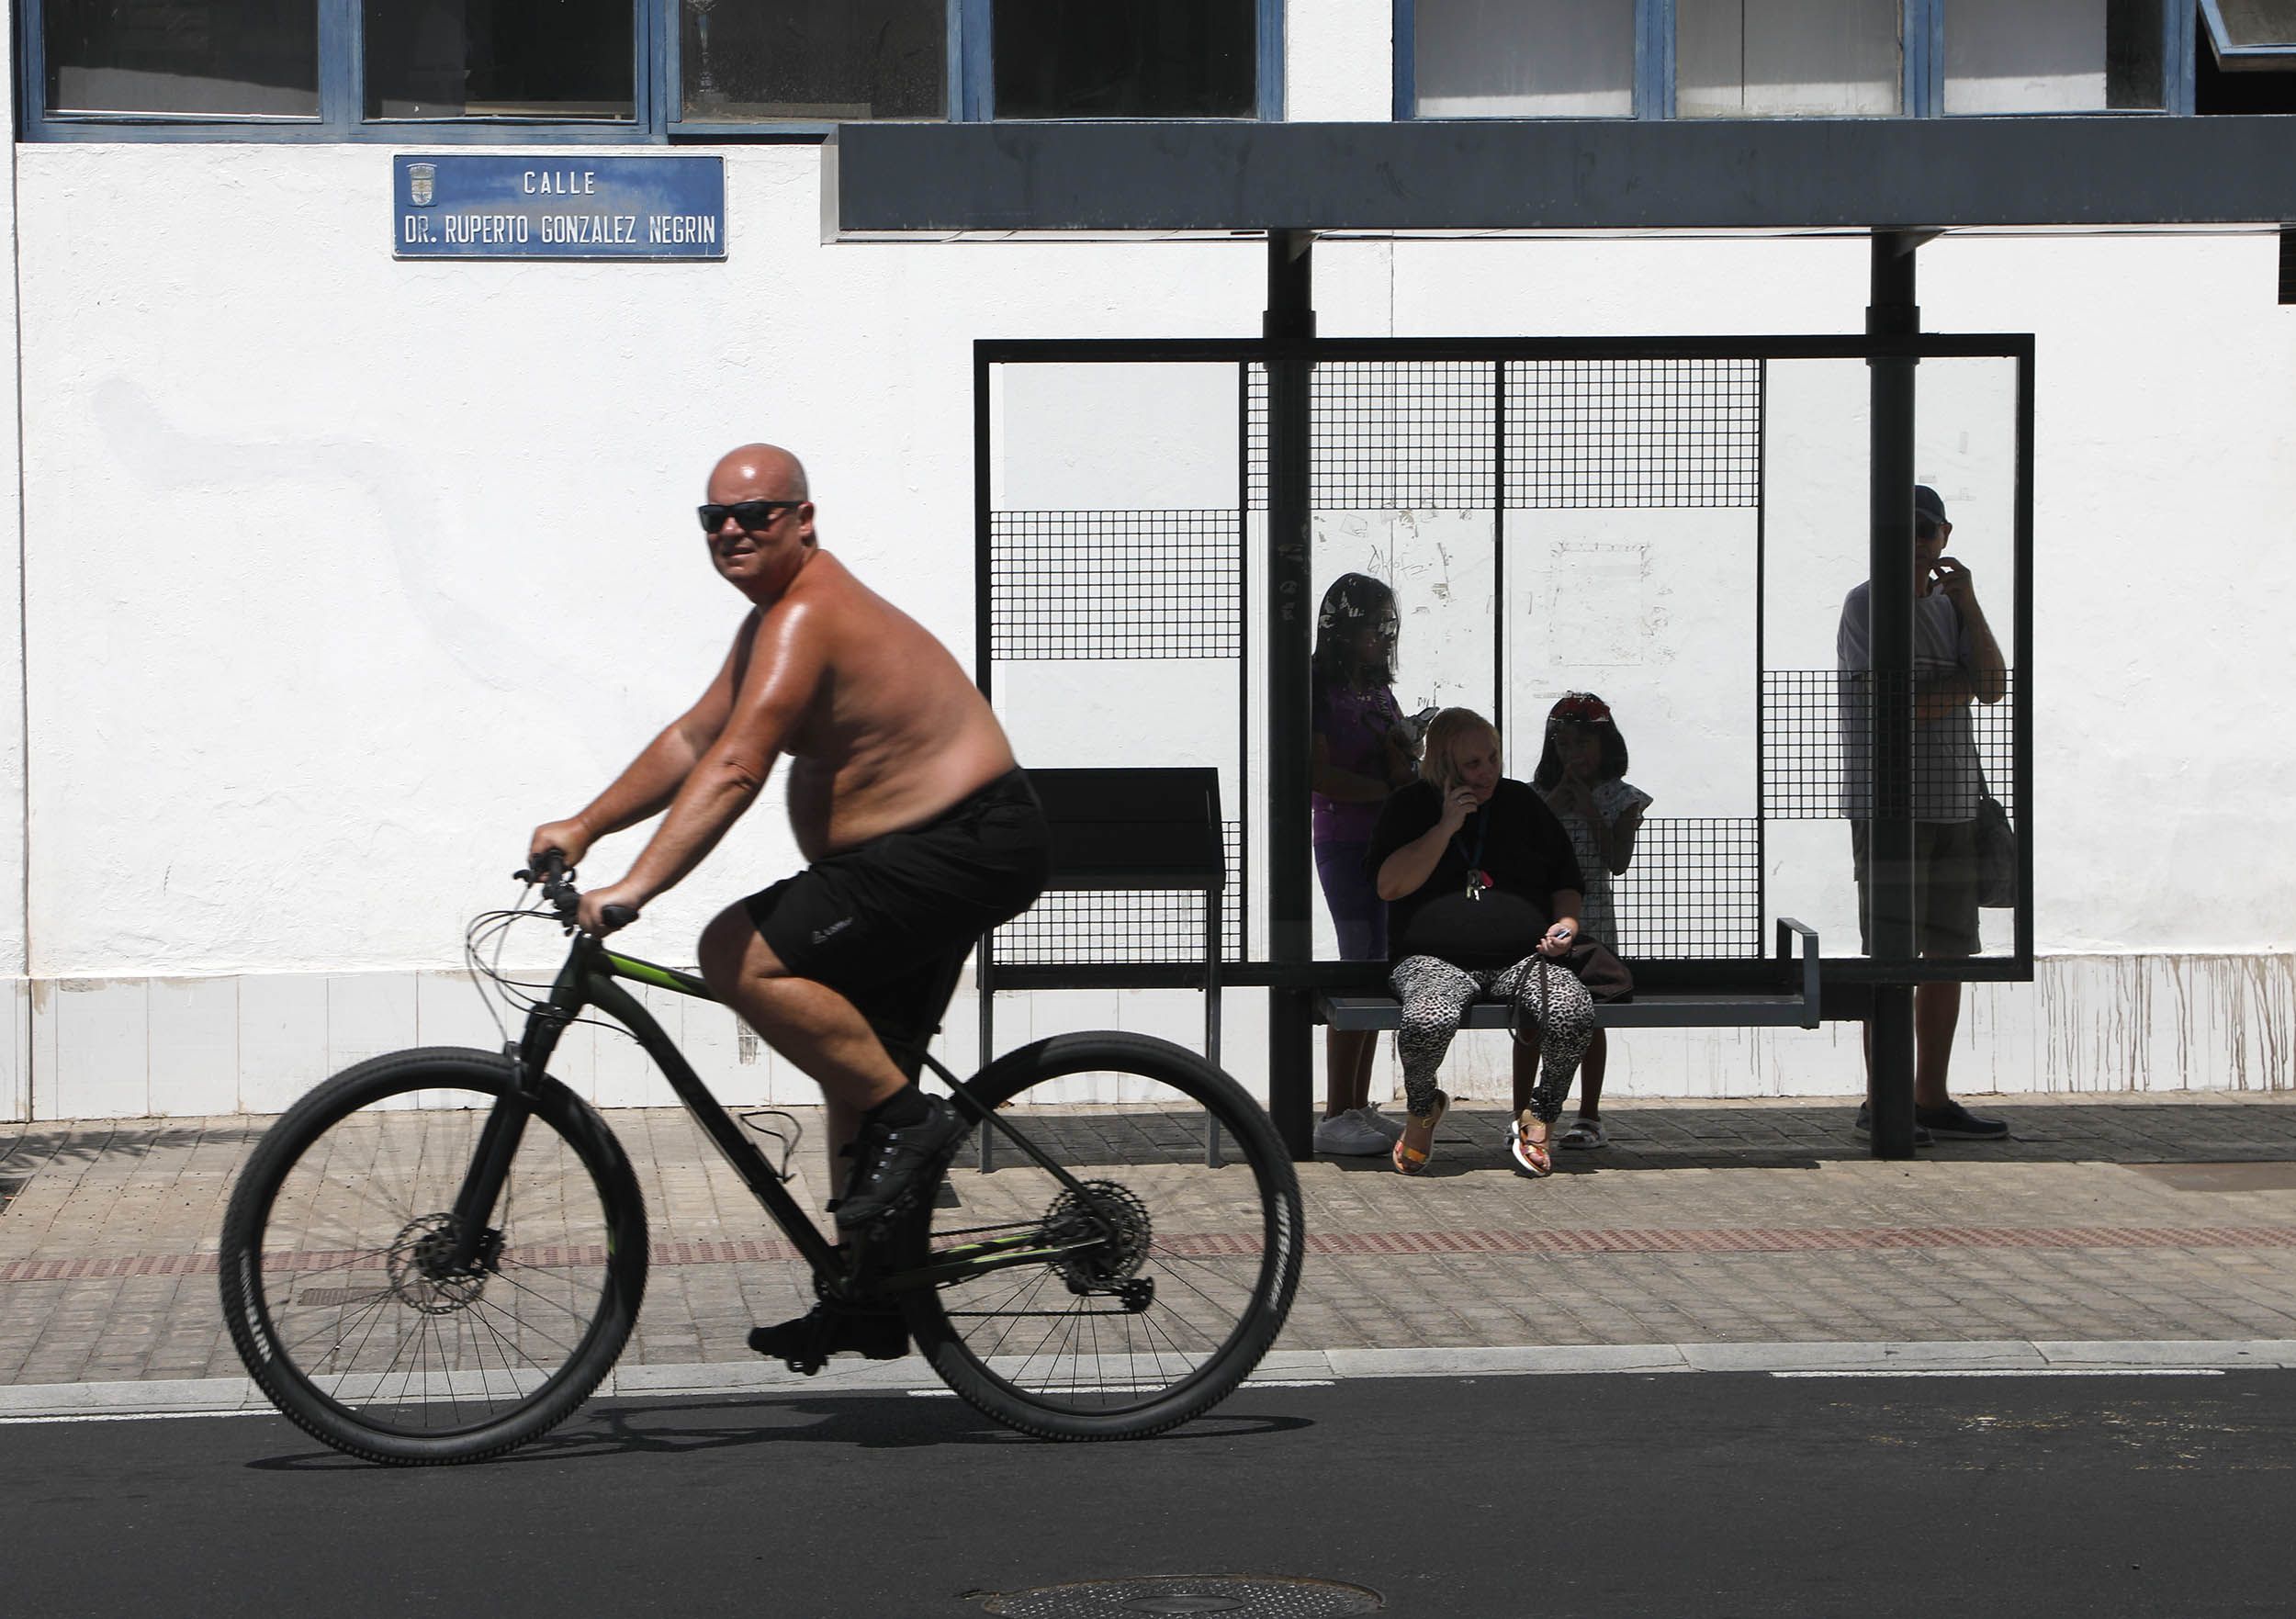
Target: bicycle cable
[
  {"x": 499, "y": 990},
  {"x": 788, "y": 1144}
]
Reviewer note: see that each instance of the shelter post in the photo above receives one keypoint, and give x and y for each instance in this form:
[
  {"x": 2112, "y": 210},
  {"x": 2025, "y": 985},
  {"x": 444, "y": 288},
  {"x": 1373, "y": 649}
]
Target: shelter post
[
  {"x": 1889, "y": 846},
  {"x": 1290, "y": 329}
]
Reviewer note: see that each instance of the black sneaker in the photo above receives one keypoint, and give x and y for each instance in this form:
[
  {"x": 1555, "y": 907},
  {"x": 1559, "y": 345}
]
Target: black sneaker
[
  {"x": 1863, "y": 1127},
  {"x": 804, "y": 1345},
  {"x": 888, "y": 1162},
  {"x": 1956, "y": 1123}
]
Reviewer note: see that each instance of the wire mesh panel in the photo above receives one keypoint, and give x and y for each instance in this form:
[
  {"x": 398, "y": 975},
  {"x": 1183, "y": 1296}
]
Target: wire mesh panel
[
  {"x": 1389, "y": 436},
  {"x": 1633, "y": 432},
  {"x": 1403, "y": 437},
  {"x": 1099, "y": 585},
  {"x": 1817, "y": 755},
  {"x": 1103, "y": 927},
  {"x": 1693, "y": 891}
]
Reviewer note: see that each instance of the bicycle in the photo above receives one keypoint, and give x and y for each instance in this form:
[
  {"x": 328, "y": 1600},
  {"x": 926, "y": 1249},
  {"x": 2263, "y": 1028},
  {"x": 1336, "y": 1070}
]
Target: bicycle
[{"x": 438, "y": 1255}]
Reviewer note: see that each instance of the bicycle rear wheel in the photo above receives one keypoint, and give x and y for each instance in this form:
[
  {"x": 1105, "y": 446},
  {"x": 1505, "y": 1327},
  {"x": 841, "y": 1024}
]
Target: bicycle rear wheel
[
  {"x": 338, "y": 1282},
  {"x": 1162, "y": 1280}
]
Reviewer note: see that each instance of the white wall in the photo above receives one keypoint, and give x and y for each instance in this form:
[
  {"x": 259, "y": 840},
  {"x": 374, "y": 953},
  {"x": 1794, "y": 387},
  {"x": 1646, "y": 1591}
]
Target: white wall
[{"x": 344, "y": 572}]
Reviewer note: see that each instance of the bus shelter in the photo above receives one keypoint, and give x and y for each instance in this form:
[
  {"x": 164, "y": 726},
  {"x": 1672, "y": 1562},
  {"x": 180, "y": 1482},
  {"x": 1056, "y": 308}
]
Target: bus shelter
[{"x": 1701, "y": 490}]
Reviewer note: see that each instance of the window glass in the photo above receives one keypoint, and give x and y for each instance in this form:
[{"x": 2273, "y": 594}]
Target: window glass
[
  {"x": 2054, "y": 56},
  {"x": 183, "y": 56},
  {"x": 1524, "y": 59},
  {"x": 748, "y": 59},
  {"x": 1786, "y": 59},
  {"x": 449, "y": 59},
  {"x": 1126, "y": 59},
  {"x": 2253, "y": 24}
]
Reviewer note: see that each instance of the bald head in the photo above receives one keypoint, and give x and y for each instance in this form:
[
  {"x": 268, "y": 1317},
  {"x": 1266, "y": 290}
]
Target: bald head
[{"x": 761, "y": 472}]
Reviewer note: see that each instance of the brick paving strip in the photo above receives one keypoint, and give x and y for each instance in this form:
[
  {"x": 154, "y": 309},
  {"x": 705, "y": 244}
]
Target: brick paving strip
[
  {"x": 2111, "y": 1219},
  {"x": 1213, "y": 1244}
]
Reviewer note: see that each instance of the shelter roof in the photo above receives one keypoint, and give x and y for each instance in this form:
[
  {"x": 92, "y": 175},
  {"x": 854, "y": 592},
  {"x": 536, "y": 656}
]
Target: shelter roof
[{"x": 2094, "y": 172}]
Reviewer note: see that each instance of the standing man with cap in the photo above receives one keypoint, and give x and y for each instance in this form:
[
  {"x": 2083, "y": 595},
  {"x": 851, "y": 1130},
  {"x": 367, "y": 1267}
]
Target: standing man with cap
[{"x": 1956, "y": 662}]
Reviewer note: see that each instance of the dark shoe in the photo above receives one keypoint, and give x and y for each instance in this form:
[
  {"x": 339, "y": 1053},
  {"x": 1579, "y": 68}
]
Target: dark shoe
[
  {"x": 1863, "y": 1127},
  {"x": 804, "y": 1345},
  {"x": 1956, "y": 1123},
  {"x": 889, "y": 1162}
]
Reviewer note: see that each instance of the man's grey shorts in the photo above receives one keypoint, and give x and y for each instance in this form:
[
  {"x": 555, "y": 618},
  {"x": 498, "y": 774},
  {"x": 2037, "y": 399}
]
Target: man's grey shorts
[{"x": 1944, "y": 887}]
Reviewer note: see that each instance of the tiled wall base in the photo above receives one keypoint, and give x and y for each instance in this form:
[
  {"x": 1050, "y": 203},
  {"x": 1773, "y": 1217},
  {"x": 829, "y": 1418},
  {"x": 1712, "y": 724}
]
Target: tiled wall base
[{"x": 90, "y": 1048}]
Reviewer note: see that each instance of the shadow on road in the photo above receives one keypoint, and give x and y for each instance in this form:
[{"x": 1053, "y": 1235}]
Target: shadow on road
[{"x": 889, "y": 1421}]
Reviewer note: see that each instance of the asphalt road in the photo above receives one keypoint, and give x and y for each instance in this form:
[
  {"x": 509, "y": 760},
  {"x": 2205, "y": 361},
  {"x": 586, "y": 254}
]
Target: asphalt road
[{"x": 1699, "y": 1494}]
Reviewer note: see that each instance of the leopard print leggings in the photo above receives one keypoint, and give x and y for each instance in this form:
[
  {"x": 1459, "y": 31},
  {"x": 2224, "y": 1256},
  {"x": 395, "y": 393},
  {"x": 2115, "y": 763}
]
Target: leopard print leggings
[{"x": 1435, "y": 997}]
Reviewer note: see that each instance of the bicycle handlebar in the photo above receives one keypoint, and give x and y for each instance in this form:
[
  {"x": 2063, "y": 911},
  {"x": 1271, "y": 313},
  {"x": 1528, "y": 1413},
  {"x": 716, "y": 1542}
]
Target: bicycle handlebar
[{"x": 556, "y": 878}]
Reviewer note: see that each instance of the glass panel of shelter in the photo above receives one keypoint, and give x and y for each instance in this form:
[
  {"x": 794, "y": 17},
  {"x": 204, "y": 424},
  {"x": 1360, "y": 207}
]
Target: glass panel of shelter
[
  {"x": 1550, "y": 526},
  {"x": 1117, "y": 577},
  {"x": 1817, "y": 780}
]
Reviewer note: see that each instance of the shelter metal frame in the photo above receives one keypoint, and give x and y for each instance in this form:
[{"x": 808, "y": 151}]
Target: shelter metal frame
[{"x": 1848, "y": 983}]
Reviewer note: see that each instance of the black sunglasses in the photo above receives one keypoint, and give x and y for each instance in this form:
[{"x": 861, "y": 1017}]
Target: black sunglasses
[{"x": 752, "y": 515}]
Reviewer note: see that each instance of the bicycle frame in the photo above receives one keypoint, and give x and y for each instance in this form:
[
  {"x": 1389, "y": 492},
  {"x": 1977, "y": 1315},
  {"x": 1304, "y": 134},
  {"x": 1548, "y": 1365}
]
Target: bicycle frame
[{"x": 589, "y": 979}]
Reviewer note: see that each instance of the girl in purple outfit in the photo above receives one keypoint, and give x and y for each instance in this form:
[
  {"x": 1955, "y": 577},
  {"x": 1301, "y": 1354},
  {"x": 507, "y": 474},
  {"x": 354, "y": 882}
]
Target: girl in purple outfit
[{"x": 1364, "y": 749}]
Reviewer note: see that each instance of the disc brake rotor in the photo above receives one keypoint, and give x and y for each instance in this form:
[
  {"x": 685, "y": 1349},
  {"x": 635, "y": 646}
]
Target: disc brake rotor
[{"x": 421, "y": 1267}]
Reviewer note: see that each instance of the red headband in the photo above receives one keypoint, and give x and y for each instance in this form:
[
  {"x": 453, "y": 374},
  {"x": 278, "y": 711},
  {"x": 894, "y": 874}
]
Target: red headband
[{"x": 1580, "y": 708}]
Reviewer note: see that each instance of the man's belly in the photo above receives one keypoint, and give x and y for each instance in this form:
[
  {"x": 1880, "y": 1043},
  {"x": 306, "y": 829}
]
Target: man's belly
[{"x": 831, "y": 811}]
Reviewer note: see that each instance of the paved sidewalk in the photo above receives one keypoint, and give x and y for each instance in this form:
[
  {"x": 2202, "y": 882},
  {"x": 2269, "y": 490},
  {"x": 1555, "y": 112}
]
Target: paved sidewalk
[{"x": 2110, "y": 1218}]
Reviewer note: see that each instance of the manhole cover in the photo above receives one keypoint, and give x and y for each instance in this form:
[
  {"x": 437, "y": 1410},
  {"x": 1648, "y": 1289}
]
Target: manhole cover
[{"x": 1244, "y": 1596}]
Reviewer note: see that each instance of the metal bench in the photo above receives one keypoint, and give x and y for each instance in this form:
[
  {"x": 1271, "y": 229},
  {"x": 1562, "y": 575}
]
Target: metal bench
[
  {"x": 1120, "y": 839},
  {"x": 1791, "y": 1001}
]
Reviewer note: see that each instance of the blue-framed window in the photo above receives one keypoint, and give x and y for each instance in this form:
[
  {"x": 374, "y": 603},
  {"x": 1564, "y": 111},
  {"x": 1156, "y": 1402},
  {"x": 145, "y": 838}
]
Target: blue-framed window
[
  {"x": 1663, "y": 59},
  {"x": 431, "y": 72}
]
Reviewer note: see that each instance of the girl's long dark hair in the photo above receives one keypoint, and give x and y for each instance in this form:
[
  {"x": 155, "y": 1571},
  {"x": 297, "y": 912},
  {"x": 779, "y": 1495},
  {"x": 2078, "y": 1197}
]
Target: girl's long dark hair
[
  {"x": 1589, "y": 712},
  {"x": 1351, "y": 599}
]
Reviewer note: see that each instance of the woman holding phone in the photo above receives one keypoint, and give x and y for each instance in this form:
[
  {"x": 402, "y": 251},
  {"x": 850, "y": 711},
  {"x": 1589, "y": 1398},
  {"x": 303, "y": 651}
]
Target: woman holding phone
[{"x": 1482, "y": 890}]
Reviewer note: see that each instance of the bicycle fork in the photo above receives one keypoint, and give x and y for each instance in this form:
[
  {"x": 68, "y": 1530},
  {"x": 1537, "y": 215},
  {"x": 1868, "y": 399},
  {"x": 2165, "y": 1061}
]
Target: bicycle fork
[{"x": 475, "y": 1247}]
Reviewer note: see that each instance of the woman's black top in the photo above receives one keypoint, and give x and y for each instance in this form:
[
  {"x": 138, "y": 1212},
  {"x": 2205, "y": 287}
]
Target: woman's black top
[{"x": 1523, "y": 847}]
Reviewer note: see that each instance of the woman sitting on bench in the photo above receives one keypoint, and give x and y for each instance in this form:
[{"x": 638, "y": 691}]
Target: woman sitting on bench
[{"x": 1482, "y": 894}]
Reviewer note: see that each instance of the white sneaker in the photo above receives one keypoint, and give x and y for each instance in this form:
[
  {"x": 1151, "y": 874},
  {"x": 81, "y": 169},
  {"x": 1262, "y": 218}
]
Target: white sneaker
[
  {"x": 1348, "y": 1135},
  {"x": 1393, "y": 1129}
]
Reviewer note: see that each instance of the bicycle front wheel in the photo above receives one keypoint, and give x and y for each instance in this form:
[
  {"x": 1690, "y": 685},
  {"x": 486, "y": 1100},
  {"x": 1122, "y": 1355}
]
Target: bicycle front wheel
[
  {"x": 341, "y": 1285},
  {"x": 1158, "y": 1281}
]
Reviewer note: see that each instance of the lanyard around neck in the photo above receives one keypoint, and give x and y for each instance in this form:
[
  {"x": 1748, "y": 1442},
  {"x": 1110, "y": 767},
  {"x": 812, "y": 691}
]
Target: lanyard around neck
[{"x": 1482, "y": 835}]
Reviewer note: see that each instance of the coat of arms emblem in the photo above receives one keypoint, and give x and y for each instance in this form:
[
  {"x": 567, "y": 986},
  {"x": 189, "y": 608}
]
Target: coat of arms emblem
[{"x": 422, "y": 184}]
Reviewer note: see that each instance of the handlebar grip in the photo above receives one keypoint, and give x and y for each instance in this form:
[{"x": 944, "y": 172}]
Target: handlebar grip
[{"x": 618, "y": 916}]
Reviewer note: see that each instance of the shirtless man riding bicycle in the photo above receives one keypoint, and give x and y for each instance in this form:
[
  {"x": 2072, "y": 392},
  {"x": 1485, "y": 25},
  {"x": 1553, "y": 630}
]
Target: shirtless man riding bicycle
[{"x": 922, "y": 831}]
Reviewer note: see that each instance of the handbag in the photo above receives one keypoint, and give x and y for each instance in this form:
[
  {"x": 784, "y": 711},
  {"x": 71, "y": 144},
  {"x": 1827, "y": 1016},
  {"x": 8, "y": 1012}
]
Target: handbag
[
  {"x": 1605, "y": 975},
  {"x": 1996, "y": 855}
]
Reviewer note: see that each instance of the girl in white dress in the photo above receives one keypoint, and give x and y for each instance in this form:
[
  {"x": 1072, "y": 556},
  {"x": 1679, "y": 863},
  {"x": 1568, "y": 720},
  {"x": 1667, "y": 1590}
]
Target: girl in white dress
[{"x": 1581, "y": 775}]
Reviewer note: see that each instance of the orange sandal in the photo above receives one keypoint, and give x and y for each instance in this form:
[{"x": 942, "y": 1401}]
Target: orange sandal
[
  {"x": 1532, "y": 1158},
  {"x": 1412, "y": 1159}
]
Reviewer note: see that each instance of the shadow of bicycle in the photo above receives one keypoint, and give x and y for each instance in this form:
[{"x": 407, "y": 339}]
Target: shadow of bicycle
[{"x": 873, "y": 1421}]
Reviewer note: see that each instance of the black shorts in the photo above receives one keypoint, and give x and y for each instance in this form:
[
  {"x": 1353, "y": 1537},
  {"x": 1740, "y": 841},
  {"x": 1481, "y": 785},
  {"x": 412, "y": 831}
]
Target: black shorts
[
  {"x": 888, "y": 924},
  {"x": 1944, "y": 888}
]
